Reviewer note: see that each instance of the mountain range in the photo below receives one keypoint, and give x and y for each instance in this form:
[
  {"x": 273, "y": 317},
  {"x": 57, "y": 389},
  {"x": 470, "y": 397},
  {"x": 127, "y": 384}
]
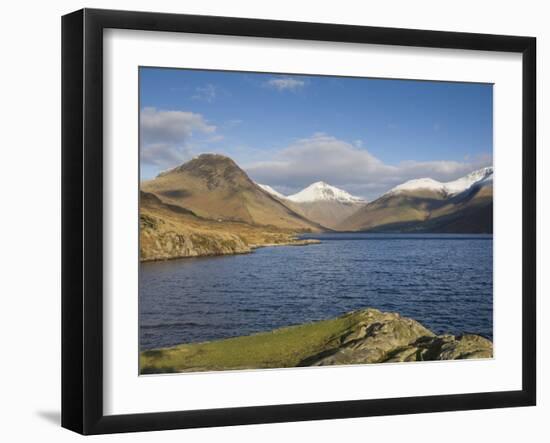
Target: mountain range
[
  {"x": 214, "y": 189},
  {"x": 464, "y": 205},
  {"x": 321, "y": 202}
]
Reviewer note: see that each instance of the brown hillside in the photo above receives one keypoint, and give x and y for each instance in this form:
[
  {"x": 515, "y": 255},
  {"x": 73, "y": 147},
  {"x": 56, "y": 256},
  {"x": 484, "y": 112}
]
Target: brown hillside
[
  {"x": 169, "y": 231},
  {"x": 403, "y": 207},
  {"x": 214, "y": 187},
  {"x": 327, "y": 213},
  {"x": 427, "y": 211}
]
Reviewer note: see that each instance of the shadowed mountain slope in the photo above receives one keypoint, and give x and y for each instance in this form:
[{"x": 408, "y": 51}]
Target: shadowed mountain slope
[
  {"x": 428, "y": 209},
  {"x": 327, "y": 213},
  {"x": 214, "y": 187}
]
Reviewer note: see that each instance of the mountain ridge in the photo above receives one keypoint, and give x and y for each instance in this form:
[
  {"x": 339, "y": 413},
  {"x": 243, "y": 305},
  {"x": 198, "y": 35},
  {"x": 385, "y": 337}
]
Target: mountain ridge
[
  {"x": 464, "y": 205},
  {"x": 321, "y": 203},
  {"x": 450, "y": 188},
  {"x": 322, "y": 191},
  {"x": 213, "y": 186}
]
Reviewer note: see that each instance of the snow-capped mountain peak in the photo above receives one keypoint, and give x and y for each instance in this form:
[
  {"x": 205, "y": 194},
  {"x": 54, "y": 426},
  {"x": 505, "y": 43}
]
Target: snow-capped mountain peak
[
  {"x": 321, "y": 191},
  {"x": 419, "y": 183},
  {"x": 457, "y": 186},
  {"x": 271, "y": 191},
  {"x": 463, "y": 183}
]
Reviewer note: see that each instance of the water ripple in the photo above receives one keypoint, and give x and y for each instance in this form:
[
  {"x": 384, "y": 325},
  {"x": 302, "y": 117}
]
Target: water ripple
[{"x": 443, "y": 281}]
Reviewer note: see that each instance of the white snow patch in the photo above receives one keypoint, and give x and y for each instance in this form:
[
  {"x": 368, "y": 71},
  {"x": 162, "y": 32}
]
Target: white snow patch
[
  {"x": 321, "y": 191},
  {"x": 467, "y": 181},
  {"x": 419, "y": 183},
  {"x": 483, "y": 175}
]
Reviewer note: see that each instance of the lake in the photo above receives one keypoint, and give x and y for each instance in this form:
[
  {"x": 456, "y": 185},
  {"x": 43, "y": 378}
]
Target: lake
[{"x": 445, "y": 281}]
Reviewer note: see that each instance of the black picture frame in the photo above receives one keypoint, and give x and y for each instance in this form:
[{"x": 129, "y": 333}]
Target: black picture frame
[{"x": 82, "y": 219}]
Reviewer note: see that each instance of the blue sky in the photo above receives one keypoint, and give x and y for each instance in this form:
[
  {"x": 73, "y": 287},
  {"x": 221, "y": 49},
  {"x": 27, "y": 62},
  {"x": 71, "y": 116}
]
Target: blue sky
[{"x": 363, "y": 135}]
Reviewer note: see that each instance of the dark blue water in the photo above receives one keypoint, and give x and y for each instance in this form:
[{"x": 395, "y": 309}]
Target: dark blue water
[{"x": 443, "y": 281}]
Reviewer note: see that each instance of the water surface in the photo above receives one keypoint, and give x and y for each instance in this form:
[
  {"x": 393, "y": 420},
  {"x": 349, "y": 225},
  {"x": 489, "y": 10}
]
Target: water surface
[{"x": 445, "y": 281}]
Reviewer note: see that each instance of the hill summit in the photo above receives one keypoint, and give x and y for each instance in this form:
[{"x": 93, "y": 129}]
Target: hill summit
[
  {"x": 214, "y": 187},
  {"x": 216, "y": 169},
  {"x": 321, "y": 191},
  {"x": 464, "y": 205}
]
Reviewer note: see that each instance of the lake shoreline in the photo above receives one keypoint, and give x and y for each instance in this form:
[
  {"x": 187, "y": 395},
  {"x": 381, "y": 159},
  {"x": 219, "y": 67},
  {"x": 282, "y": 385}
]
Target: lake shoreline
[
  {"x": 247, "y": 250},
  {"x": 357, "y": 337},
  {"x": 444, "y": 283}
]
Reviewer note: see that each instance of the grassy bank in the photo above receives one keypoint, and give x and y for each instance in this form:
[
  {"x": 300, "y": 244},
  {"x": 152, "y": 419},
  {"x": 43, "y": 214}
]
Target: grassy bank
[
  {"x": 280, "y": 348},
  {"x": 363, "y": 336}
]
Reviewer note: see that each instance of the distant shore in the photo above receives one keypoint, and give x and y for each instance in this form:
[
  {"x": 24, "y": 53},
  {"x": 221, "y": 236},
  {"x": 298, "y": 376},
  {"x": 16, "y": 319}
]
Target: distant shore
[
  {"x": 220, "y": 247},
  {"x": 292, "y": 242},
  {"x": 358, "y": 337}
]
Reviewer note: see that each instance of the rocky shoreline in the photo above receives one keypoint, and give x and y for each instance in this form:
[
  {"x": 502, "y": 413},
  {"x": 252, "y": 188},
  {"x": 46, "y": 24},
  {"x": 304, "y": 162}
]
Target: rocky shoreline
[
  {"x": 358, "y": 337},
  {"x": 172, "y": 245},
  {"x": 291, "y": 242},
  {"x": 382, "y": 337},
  {"x": 168, "y": 231}
]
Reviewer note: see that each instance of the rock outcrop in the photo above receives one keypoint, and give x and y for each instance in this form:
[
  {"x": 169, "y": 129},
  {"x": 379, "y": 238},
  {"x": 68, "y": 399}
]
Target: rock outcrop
[
  {"x": 169, "y": 231},
  {"x": 159, "y": 242},
  {"x": 358, "y": 337},
  {"x": 380, "y": 337}
]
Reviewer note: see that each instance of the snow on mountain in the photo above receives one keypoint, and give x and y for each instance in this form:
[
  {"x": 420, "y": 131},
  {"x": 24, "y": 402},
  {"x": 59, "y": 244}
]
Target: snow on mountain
[
  {"x": 463, "y": 183},
  {"x": 419, "y": 183},
  {"x": 321, "y": 191},
  {"x": 271, "y": 191},
  {"x": 482, "y": 175},
  {"x": 486, "y": 180}
]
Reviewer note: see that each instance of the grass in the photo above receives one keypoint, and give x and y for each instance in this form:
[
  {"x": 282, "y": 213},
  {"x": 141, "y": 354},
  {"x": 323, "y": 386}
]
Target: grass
[
  {"x": 362, "y": 336},
  {"x": 285, "y": 347}
]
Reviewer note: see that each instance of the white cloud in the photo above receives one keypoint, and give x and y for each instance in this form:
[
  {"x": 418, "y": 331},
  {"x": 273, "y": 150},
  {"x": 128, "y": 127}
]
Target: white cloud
[
  {"x": 206, "y": 93},
  {"x": 175, "y": 126},
  {"x": 343, "y": 164},
  {"x": 286, "y": 83},
  {"x": 165, "y": 135},
  {"x": 164, "y": 155}
]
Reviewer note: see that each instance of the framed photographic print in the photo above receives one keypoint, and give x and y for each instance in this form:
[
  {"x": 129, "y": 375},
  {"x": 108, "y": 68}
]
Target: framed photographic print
[{"x": 269, "y": 221}]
